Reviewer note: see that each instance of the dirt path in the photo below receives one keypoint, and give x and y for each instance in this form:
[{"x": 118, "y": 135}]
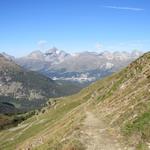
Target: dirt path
[{"x": 95, "y": 135}]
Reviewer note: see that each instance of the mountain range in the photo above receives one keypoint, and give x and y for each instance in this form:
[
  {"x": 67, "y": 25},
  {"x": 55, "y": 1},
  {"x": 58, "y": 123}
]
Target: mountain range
[
  {"x": 81, "y": 67},
  {"x": 110, "y": 114}
]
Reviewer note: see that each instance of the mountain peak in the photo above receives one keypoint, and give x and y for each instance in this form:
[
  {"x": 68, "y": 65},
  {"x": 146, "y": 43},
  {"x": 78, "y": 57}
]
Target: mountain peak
[
  {"x": 52, "y": 50},
  {"x": 55, "y": 55},
  {"x": 36, "y": 55},
  {"x": 7, "y": 56}
]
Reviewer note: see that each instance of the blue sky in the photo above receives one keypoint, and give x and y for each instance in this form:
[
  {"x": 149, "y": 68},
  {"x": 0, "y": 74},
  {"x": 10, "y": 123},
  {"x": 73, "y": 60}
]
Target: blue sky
[{"x": 74, "y": 25}]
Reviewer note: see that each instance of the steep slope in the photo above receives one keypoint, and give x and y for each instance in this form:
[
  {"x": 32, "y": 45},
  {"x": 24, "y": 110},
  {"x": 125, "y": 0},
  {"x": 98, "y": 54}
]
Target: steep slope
[
  {"x": 112, "y": 113},
  {"x": 26, "y": 88}
]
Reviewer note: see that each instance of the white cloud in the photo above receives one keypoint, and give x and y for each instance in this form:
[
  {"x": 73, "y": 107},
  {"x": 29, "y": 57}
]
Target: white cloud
[
  {"x": 99, "y": 46},
  {"x": 42, "y": 44},
  {"x": 124, "y": 8}
]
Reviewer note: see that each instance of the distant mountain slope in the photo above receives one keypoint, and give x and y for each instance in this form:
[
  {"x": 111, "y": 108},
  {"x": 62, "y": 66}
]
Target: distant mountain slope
[
  {"x": 82, "y": 67},
  {"x": 21, "y": 84},
  {"x": 27, "y": 88},
  {"x": 113, "y": 113}
]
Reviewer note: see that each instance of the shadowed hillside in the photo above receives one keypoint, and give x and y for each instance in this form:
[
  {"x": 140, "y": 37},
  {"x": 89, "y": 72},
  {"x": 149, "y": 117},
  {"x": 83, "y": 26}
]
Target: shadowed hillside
[{"x": 27, "y": 90}]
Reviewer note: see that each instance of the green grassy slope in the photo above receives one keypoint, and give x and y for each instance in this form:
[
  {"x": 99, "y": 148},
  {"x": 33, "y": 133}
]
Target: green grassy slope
[{"x": 53, "y": 124}]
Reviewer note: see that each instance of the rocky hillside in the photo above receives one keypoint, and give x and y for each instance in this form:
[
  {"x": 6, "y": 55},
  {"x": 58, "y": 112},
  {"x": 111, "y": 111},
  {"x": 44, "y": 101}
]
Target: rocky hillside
[
  {"x": 113, "y": 113},
  {"x": 26, "y": 88},
  {"x": 82, "y": 67}
]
